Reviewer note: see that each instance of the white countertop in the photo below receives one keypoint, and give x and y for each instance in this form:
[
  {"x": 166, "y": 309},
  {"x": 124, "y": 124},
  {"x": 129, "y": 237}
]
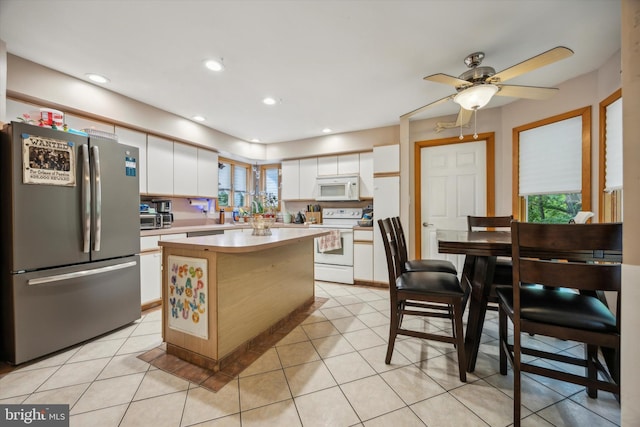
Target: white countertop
[
  {"x": 245, "y": 242},
  {"x": 207, "y": 225}
]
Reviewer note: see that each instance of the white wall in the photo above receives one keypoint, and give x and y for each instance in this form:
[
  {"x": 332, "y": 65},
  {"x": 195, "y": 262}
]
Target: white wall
[
  {"x": 346, "y": 142},
  {"x": 43, "y": 86},
  {"x": 3, "y": 79},
  {"x": 630, "y": 394},
  {"x": 586, "y": 90}
]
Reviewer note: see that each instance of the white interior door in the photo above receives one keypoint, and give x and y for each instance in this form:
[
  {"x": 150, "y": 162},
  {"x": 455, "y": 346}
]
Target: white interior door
[{"x": 453, "y": 185}]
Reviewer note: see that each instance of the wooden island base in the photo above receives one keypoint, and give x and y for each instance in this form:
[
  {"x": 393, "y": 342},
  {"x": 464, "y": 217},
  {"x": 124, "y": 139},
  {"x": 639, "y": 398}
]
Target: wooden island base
[
  {"x": 254, "y": 284},
  {"x": 256, "y": 343}
]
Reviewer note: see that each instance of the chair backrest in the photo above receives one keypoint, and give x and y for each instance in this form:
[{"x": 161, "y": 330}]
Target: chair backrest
[
  {"x": 401, "y": 242},
  {"x": 586, "y": 257},
  {"x": 391, "y": 250},
  {"x": 485, "y": 222}
]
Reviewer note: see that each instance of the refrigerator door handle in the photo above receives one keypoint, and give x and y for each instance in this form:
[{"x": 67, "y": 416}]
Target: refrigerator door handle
[
  {"x": 98, "y": 199},
  {"x": 86, "y": 200},
  {"x": 77, "y": 274}
]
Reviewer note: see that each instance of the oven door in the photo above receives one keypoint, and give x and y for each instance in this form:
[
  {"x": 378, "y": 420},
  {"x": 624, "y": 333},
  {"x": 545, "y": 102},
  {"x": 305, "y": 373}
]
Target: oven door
[{"x": 343, "y": 256}]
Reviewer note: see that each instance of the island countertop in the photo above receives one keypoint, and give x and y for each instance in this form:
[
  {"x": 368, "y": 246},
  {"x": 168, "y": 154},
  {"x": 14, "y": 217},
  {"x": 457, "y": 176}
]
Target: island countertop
[{"x": 245, "y": 242}]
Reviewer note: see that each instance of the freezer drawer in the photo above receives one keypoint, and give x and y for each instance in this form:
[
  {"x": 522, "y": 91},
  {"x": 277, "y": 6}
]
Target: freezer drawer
[{"x": 53, "y": 309}]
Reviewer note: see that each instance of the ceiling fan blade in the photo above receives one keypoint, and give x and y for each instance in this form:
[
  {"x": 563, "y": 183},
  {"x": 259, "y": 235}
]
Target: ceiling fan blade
[
  {"x": 464, "y": 116},
  {"x": 447, "y": 79},
  {"x": 528, "y": 92},
  {"x": 425, "y": 107},
  {"x": 546, "y": 58}
]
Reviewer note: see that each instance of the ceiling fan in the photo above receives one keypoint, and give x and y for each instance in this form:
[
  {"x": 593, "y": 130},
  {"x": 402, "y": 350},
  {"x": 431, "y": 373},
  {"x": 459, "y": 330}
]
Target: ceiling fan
[{"x": 476, "y": 86}]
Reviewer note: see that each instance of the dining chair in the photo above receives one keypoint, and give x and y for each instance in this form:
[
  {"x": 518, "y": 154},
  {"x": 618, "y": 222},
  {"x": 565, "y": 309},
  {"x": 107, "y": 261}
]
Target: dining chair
[
  {"x": 502, "y": 273},
  {"x": 574, "y": 262},
  {"x": 422, "y": 293},
  {"x": 417, "y": 264}
]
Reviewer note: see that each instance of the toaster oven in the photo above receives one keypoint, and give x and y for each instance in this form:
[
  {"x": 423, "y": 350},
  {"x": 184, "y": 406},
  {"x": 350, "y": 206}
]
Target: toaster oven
[{"x": 149, "y": 221}]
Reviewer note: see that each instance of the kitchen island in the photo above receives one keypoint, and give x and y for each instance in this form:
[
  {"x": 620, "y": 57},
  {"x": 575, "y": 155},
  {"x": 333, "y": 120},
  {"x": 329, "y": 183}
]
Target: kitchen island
[{"x": 222, "y": 292}]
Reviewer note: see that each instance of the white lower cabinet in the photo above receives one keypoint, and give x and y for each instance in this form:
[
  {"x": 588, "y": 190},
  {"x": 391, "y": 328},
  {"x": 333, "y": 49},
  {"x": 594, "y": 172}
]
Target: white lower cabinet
[
  {"x": 150, "y": 270},
  {"x": 363, "y": 256},
  {"x": 151, "y": 267},
  {"x": 150, "y": 277}
]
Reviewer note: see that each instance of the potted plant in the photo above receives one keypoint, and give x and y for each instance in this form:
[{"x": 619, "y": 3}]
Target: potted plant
[{"x": 271, "y": 205}]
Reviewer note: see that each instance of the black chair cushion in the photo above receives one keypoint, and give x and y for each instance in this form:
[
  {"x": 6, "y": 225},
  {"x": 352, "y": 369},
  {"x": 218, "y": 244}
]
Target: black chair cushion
[
  {"x": 430, "y": 265},
  {"x": 560, "y": 308},
  {"x": 429, "y": 283}
]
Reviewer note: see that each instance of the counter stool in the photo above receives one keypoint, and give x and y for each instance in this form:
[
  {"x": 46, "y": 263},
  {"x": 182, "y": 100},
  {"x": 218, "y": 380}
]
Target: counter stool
[{"x": 422, "y": 293}]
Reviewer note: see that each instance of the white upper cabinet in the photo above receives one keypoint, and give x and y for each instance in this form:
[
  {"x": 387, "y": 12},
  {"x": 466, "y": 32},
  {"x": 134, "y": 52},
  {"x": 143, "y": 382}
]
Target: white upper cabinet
[
  {"x": 207, "y": 173},
  {"x": 349, "y": 164},
  {"x": 344, "y": 164},
  {"x": 136, "y": 139},
  {"x": 307, "y": 177},
  {"x": 366, "y": 174},
  {"x": 159, "y": 165},
  {"x": 386, "y": 159},
  {"x": 290, "y": 180},
  {"x": 328, "y": 165},
  {"x": 185, "y": 170}
]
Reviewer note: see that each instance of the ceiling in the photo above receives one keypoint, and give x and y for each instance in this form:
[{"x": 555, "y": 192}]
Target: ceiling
[{"x": 345, "y": 65}]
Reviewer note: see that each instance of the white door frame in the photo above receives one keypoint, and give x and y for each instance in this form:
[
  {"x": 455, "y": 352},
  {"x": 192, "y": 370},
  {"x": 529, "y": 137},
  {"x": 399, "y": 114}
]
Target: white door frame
[{"x": 489, "y": 138}]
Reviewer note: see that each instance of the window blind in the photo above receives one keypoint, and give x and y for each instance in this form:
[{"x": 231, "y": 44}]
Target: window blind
[
  {"x": 613, "y": 147},
  {"x": 239, "y": 185},
  {"x": 551, "y": 158},
  {"x": 239, "y": 178},
  {"x": 224, "y": 177},
  {"x": 271, "y": 181}
]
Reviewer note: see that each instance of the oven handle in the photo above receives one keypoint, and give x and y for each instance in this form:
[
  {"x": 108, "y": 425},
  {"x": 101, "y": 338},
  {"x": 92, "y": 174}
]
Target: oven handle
[{"x": 342, "y": 230}]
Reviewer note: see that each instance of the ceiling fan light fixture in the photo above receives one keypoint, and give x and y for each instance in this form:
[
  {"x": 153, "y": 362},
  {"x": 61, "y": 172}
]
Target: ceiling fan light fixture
[{"x": 476, "y": 97}]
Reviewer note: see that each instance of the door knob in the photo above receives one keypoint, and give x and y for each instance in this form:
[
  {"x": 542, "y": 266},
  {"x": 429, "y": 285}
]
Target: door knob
[{"x": 425, "y": 224}]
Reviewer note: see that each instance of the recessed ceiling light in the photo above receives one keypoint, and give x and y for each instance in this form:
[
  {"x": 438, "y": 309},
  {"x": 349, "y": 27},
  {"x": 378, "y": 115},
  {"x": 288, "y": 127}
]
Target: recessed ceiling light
[
  {"x": 214, "y": 64},
  {"x": 97, "y": 78},
  {"x": 326, "y": 130},
  {"x": 269, "y": 101},
  {"x": 255, "y": 140},
  {"x": 198, "y": 118}
]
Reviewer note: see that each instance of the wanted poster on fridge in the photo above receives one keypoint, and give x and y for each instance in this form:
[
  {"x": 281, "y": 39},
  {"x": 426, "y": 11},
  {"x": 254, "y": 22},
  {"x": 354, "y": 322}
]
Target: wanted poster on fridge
[{"x": 48, "y": 161}]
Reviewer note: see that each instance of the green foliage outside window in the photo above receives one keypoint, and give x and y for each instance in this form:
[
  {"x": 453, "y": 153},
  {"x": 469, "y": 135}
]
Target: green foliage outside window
[
  {"x": 553, "y": 208},
  {"x": 223, "y": 198}
]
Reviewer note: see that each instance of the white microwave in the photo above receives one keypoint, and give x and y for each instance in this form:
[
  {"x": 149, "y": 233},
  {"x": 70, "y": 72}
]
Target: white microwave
[{"x": 338, "y": 188}]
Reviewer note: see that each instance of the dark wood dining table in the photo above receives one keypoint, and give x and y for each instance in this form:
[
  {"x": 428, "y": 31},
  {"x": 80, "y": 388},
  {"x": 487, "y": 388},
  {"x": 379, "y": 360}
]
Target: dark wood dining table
[{"x": 480, "y": 249}]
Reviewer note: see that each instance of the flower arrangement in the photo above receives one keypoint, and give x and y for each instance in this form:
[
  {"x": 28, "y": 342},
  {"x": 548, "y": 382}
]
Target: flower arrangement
[
  {"x": 263, "y": 213},
  {"x": 265, "y": 204}
]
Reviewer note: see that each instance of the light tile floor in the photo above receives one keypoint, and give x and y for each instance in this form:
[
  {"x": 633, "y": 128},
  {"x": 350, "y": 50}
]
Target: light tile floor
[{"x": 329, "y": 371}]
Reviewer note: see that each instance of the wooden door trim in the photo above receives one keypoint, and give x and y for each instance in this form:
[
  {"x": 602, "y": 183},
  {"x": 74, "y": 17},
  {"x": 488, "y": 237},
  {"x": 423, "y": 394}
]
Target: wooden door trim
[{"x": 489, "y": 138}]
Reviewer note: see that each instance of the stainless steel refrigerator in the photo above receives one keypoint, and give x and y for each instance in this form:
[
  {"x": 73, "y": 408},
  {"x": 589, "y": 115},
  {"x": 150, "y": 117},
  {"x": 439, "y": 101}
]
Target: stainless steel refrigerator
[{"x": 69, "y": 238}]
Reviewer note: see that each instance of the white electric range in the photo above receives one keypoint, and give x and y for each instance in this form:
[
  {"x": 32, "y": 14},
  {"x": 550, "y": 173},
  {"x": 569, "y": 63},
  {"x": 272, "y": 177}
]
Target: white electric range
[{"x": 337, "y": 265}]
